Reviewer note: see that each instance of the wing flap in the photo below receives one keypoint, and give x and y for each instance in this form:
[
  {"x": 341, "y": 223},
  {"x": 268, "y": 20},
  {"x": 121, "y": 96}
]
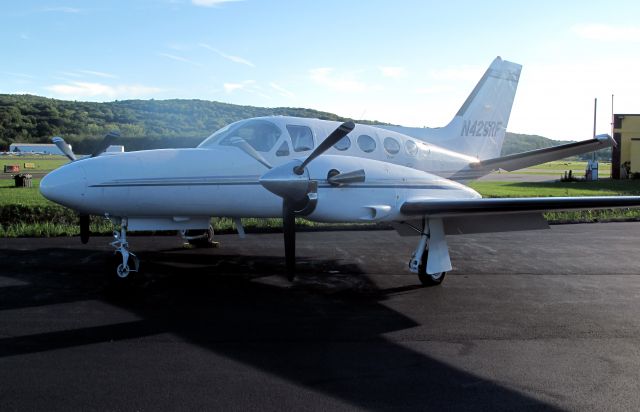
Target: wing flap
[{"x": 469, "y": 207}]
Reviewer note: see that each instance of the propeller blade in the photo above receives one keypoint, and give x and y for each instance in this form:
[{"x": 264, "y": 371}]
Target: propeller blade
[
  {"x": 64, "y": 147},
  {"x": 357, "y": 176},
  {"x": 85, "y": 220},
  {"x": 335, "y": 136},
  {"x": 105, "y": 143},
  {"x": 289, "y": 230},
  {"x": 248, "y": 149}
]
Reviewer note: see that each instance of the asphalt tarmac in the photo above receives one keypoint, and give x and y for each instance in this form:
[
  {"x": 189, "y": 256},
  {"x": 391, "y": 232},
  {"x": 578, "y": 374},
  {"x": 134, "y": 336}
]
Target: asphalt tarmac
[{"x": 544, "y": 320}]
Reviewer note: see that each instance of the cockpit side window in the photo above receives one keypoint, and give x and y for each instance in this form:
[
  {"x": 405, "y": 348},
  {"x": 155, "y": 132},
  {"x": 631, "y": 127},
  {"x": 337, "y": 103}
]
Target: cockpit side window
[
  {"x": 260, "y": 134},
  {"x": 301, "y": 137}
]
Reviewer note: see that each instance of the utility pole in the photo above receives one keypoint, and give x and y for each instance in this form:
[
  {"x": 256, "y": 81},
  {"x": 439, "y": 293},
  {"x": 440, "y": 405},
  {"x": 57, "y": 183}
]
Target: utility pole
[{"x": 595, "y": 112}]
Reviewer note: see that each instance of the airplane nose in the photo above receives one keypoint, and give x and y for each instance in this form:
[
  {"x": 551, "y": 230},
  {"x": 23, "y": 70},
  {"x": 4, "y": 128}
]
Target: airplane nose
[{"x": 66, "y": 185}]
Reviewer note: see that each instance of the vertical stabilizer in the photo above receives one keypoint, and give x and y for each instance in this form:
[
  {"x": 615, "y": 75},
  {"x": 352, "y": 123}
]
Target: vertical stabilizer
[{"x": 479, "y": 127}]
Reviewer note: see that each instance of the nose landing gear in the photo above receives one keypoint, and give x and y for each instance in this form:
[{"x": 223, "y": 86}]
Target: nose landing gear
[{"x": 122, "y": 246}]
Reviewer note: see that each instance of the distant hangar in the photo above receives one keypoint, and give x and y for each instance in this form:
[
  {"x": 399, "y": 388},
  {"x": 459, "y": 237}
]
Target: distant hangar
[{"x": 43, "y": 148}]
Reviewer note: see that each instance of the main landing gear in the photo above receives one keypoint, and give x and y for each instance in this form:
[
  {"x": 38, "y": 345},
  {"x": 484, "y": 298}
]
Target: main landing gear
[
  {"x": 199, "y": 238},
  {"x": 122, "y": 246},
  {"x": 420, "y": 257}
]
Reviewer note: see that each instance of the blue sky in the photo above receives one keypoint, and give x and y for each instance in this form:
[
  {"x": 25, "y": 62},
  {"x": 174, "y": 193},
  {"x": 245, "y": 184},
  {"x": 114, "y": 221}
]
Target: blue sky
[{"x": 403, "y": 62}]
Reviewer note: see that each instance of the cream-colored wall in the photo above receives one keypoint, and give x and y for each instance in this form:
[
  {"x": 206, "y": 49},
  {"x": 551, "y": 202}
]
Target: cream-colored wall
[{"x": 630, "y": 130}]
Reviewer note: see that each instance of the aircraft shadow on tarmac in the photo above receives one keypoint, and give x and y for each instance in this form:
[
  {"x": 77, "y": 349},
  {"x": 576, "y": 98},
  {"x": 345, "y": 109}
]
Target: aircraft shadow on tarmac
[{"x": 307, "y": 333}]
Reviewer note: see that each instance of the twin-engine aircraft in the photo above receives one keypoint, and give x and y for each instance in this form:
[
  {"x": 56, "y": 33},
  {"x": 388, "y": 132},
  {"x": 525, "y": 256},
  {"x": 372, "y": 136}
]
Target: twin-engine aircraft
[{"x": 327, "y": 172}]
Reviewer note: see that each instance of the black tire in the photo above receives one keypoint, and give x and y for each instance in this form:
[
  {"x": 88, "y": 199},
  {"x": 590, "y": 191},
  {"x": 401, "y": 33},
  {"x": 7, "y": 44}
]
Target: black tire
[
  {"x": 426, "y": 279},
  {"x": 206, "y": 241},
  {"x": 115, "y": 282}
]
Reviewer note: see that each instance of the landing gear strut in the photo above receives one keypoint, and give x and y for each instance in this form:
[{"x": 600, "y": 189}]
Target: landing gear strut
[
  {"x": 420, "y": 257},
  {"x": 122, "y": 246}
]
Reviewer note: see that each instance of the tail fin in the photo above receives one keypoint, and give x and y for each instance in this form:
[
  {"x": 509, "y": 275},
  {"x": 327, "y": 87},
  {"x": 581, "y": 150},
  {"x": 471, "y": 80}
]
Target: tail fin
[{"x": 479, "y": 127}]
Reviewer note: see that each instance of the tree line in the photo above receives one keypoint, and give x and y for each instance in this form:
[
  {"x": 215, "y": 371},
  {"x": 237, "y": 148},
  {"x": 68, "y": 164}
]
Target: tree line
[
  {"x": 35, "y": 119},
  {"x": 153, "y": 124}
]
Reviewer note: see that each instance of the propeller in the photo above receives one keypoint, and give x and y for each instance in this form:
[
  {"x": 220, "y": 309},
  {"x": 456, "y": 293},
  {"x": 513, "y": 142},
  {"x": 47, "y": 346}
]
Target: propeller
[
  {"x": 248, "y": 149},
  {"x": 64, "y": 147},
  {"x": 291, "y": 182},
  {"x": 85, "y": 221},
  {"x": 108, "y": 140},
  {"x": 104, "y": 144},
  {"x": 335, "y": 136}
]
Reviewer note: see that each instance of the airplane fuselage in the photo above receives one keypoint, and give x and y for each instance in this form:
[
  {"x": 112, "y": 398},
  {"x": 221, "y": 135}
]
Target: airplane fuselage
[{"x": 187, "y": 186}]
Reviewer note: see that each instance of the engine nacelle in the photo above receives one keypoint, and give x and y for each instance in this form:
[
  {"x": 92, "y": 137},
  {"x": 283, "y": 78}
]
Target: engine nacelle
[{"x": 385, "y": 188}]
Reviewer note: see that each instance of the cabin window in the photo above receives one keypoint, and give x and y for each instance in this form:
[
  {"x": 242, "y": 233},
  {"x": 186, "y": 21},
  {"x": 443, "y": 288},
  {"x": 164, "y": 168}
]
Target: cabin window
[
  {"x": 343, "y": 144},
  {"x": 260, "y": 134},
  {"x": 301, "y": 137},
  {"x": 391, "y": 145},
  {"x": 366, "y": 143},
  {"x": 283, "y": 150},
  {"x": 411, "y": 147}
]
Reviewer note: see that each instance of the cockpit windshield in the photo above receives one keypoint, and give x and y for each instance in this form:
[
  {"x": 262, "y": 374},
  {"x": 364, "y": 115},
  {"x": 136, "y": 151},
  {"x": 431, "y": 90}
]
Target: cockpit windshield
[{"x": 262, "y": 135}]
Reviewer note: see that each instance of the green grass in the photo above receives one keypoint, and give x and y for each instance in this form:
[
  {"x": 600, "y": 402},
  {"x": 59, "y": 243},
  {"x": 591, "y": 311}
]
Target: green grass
[
  {"x": 603, "y": 187},
  {"x": 11, "y": 195},
  {"x": 566, "y": 165},
  {"x": 43, "y": 163}
]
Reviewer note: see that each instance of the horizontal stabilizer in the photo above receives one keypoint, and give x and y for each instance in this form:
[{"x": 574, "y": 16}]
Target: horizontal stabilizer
[
  {"x": 469, "y": 207},
  {"x": 534, "y": 157}
]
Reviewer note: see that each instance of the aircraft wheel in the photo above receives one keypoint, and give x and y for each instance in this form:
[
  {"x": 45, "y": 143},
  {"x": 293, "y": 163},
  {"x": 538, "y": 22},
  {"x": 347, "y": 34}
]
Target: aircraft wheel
[
  {"x": 123, "y": 271},
  {"x": 202, "y": 238},
  {"x": 119, "y": 278},
  {"x": 426, "y": 279}
]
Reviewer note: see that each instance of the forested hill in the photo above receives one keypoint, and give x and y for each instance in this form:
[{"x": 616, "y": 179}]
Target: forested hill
[
  {"x": 31, "y": 119},
  {"x": 147, "y": 124}
]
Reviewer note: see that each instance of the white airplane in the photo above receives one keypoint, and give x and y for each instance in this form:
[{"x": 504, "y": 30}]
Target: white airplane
[{"x": 287, "y": 167}]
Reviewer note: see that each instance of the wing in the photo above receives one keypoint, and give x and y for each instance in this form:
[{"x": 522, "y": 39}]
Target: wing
[{"x": 469, "y": 207}]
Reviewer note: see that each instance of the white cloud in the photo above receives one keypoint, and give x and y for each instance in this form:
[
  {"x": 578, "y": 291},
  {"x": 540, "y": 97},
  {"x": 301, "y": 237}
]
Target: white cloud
[
  {"x": 99, "y": 74},
  {"x": 211, "y": 3},
  {"x": 232, "y": 87},
  {"x": 21, "y": 75},
  {"x": 437, "y": 89},
  {"x": 235, "y": 59},
  {"x": 247, "y": 86},
  {"x": 327, "y": 76},
  {"x": 178, "y": 58},
  {"x": 71, "y": 74},
  {"x": 284, "y": 92},
  {"x": 87, "y": 89},
  {"x": 84, "y": 73},
  {"x": 395, "y": 72},
  {"x": 61, "y": 9},
  {"x": 605, "y": 32},
  {"x": 460, "y": 73}
]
